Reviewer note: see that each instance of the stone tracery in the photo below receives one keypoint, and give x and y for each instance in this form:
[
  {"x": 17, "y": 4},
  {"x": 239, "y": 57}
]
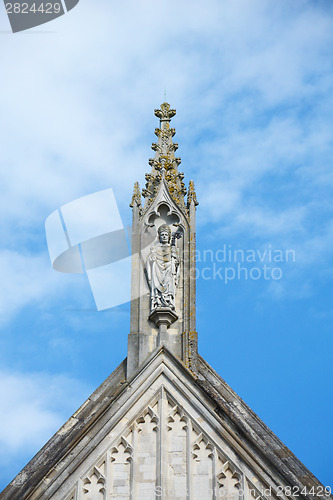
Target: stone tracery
[{"x": 195, "y": 461}]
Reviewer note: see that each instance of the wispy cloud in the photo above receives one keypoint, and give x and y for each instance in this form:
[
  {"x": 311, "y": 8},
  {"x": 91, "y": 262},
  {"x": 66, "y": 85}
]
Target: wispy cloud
[
  {"x": 36, "y": 405},
  {"x": 28, "y": 279},
  {"x": 252, "y": 83},
  {"x": 252, "y": 86}
]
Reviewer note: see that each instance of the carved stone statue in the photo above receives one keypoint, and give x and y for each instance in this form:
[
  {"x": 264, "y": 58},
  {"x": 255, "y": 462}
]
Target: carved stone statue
[{"x": 163, "y": 270}]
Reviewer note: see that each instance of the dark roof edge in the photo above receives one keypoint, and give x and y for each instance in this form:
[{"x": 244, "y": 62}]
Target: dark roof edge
[
  {"x": 254, "y": 430},
  {"x": 228, "y": 404},
  {"x": 61, "y": 443},
  {"x": 66, "y": 437}
]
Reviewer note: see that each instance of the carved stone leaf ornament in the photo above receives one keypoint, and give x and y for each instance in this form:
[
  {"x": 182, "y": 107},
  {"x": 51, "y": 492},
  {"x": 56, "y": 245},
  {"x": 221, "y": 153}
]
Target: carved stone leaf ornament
[
  {"x": 165, "y": 163},
  {"x": 162, "y": 269},
  {"x": 163, "y": 425}
]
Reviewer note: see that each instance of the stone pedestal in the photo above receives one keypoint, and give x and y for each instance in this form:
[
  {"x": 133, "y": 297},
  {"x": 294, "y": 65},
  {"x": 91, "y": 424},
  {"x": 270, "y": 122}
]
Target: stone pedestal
[
  {"x": 163, "y": 317},
  {"x": 163, "y": 258}
]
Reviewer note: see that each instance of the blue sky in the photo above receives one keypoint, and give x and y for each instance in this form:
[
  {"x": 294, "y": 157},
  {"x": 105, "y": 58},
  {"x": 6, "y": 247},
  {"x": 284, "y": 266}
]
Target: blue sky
[{"x": 252, "y": 82}]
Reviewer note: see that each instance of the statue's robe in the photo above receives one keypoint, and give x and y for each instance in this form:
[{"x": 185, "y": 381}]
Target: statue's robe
[{"x": 163, "y": 274}]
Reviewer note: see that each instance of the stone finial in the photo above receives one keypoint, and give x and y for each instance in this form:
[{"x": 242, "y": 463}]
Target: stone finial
[
  {"x": 163, "y": 258},
  {"x": 165, "y": 113},
  {"x": 165, "y": 162},
  {"x": 136, "y": 198},
  {"x": 191, "y": 194}
]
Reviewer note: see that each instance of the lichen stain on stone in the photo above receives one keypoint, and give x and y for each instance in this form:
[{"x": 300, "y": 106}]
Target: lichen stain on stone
[
  {"x": 81, "y": 407},
  {"x": 68, "y": 426}
]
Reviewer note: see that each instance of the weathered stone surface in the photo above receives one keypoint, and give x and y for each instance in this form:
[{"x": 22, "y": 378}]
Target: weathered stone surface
[
  {"x": 164, "y": 424},
  {"x": 163, "y": 430},
  {"x": 45, "y": 465},
  {"x": 163, "y": 272}
]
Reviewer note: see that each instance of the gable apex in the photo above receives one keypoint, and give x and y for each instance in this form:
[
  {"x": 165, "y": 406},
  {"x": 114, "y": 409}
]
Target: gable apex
[{"x": 207, "y": 418}]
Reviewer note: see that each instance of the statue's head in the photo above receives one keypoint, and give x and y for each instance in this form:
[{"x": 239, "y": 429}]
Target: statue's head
[{"x": 164, "y": 233}]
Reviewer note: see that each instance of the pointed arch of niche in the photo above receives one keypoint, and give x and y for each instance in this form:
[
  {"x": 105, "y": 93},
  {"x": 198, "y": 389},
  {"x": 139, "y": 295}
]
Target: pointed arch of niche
[
  {"x": 113, "y": 473},
  {"x": 164, "y": 199},
  {"x": 222, "y": 474},
  {"x": 229, "y": 481},
  {"x": 94, "y": 482},
  {"x": 122, "y": 452},
  {"x": 162, "y": 213},
  {"x": 164, "y": 210},
  {"x": 163, "y": 194}
]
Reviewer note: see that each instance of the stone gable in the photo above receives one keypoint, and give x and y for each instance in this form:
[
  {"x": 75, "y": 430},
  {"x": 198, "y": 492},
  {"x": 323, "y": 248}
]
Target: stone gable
[{"x": 162, "y": 436}]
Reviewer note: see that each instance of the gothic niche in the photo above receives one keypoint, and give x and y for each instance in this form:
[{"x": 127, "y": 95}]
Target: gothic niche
[{"x": 163, "y": 269}]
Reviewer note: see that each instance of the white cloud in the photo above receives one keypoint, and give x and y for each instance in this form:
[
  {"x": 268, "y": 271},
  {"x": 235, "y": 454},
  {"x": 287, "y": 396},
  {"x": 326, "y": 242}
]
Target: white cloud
[
  {"x": 66, "y": 130},
  {"x": 252, "y": 84},
  {"x": 35, "y": 406},
  {"x": 27, "y": 278},
  {"x": 78, "y": 104}
]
